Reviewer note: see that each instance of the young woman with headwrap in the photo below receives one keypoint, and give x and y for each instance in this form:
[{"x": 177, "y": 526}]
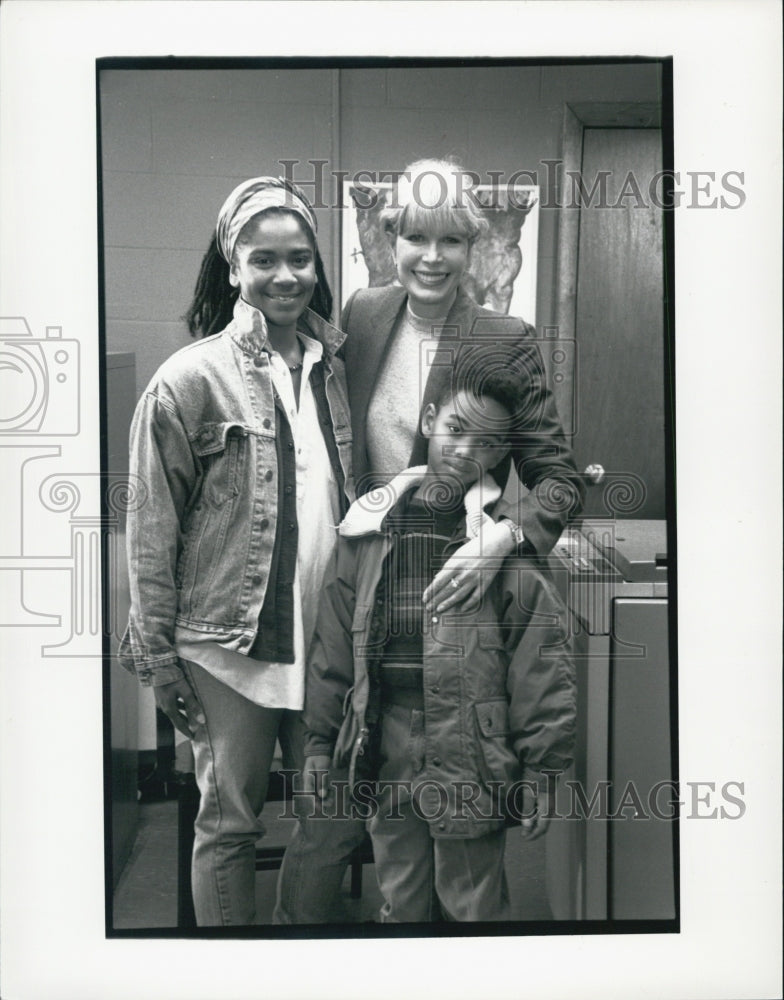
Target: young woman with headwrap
[{"x": 233, "y": 436}]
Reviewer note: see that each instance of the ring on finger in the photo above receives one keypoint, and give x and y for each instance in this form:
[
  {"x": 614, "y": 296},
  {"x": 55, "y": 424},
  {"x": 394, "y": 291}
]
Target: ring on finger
[{"x": 454, "y": 582}]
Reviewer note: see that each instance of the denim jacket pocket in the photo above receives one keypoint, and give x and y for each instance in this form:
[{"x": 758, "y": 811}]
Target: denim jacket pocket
[{"x": 221, "y": 449}]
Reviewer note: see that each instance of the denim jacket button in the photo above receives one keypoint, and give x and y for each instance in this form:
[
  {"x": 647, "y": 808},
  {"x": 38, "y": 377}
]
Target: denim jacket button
[
  {"x": 256, "y": 580},
  {"x": 258, "y": 362},
  {"x": 264, "y": 523},
  {"x": 266, "y": 422},
  {"x": 268, "y": 475},
  {"x": 437, "y": 761}
]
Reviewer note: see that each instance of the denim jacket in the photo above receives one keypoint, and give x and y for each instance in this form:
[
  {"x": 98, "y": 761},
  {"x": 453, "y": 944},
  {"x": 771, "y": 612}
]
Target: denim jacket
[{"x": 203, "y": 446}]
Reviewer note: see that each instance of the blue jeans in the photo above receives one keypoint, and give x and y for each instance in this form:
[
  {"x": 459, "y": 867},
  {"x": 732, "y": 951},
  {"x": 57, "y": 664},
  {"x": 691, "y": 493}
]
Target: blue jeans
[
  {"x": 233, "y": 753},
  {"x": 314, "y": 865}
]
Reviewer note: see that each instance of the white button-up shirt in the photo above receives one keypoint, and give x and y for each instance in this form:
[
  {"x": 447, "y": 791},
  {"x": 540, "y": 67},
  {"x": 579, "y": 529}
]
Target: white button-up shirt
[{"x": 282, "y": 685}]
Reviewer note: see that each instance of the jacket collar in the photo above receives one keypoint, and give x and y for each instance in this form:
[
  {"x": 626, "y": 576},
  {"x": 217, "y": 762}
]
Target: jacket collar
[
  {"x": 248, "y": 329},
  {"x": 462, "y": 313},
  {"x": 366, "y": 515},
  {"x": 386, "y": 308}
]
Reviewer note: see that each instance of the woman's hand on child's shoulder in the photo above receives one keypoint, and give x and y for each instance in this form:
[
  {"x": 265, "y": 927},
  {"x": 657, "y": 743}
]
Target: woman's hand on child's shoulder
[{"x": 470, "y": 570}]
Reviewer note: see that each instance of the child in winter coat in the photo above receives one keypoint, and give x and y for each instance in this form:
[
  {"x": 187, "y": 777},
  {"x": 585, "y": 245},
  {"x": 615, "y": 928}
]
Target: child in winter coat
[{"x": 447, "y": 722}]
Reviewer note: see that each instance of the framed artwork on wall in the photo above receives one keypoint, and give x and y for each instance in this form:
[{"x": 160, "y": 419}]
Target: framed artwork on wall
[{"x": 502, "y": 272}]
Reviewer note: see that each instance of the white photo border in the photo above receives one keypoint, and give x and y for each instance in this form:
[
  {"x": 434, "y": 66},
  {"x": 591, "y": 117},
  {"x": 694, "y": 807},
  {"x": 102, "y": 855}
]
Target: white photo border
[{"x": 727, "y": 118}]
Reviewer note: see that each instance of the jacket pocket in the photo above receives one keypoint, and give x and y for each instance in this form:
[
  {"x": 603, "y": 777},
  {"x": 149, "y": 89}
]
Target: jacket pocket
[
  {"x": 221, "y": 448},
  {"x": 496, "y": 759},
  {"x": 361, "y": 629},
  {"x": 488, "y": 636}
]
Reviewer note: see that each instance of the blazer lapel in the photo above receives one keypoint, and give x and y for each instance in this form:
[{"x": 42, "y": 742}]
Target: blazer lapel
[
  {"x": 368, "y": 343},
  {"x": 370, "y": 325}
]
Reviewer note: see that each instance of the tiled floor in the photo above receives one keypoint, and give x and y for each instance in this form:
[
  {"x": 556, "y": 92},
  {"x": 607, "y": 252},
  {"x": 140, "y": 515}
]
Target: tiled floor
[{"x": 146, "y": 892}]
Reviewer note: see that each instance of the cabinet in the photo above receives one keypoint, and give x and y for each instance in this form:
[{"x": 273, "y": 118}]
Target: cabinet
[{"x": 612, "y": 854}]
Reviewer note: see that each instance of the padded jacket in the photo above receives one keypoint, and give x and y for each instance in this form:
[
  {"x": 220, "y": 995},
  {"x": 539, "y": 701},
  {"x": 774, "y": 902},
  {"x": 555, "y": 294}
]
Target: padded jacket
[{"x": 499, "y": 684}]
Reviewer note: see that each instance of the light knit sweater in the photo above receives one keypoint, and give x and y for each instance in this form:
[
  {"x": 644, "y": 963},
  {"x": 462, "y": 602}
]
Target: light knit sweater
[{"x": 393, "y": 413}]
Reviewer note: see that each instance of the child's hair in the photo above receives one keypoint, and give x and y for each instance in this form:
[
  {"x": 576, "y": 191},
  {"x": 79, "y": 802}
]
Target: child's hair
[
  {"x": 212, "y": 307},
  {"x": 433, "y": 196},
  {"x": 499, "y": 384}
]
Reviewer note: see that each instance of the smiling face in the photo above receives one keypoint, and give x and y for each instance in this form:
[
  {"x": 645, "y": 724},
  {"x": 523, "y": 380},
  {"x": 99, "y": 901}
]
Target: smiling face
[
  {"x": 467, "y": 436},
  {"x": 274, "y": 268},
  {"x": 430, "y": 266}
]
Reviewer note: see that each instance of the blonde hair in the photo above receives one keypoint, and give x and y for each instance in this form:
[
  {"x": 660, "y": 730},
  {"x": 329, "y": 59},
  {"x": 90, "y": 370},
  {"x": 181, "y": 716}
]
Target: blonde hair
[{"x": 434, "y": 196}]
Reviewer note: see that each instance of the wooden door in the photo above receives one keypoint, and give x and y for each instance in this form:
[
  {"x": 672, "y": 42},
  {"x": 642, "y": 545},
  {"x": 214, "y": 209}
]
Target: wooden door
[
  {"x": 611, "y": 303},
  {"x": 618, "y": 380}
]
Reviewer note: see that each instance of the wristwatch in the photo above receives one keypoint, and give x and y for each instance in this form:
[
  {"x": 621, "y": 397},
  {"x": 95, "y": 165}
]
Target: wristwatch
[{"x": 517, "y": 531}]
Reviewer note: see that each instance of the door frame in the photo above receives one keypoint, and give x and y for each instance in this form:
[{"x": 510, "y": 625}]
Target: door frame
[{"x": 577, "y": 117}]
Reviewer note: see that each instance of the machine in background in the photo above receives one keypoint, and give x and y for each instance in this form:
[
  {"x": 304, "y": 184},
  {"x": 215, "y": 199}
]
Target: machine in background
[{"x": 608, "y": 861}]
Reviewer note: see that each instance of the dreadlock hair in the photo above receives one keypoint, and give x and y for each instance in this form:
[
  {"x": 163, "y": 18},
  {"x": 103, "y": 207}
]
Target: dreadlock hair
[
  {"x": 212, "y": 307},
  {"x": 214, "y": 297}
]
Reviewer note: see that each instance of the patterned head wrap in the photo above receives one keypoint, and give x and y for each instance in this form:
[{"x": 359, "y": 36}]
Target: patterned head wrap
[{"x": 254, "y": 196}]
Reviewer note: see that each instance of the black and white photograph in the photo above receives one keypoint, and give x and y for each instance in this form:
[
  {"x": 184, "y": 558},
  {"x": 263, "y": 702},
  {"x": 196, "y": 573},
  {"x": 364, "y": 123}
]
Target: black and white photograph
[
  {"x": 486, "y": 760},
  {"x": 381, "y": 491}
]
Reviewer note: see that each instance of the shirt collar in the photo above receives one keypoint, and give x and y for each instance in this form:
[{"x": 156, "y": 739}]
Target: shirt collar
[{"x": 248, "y": 329}]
